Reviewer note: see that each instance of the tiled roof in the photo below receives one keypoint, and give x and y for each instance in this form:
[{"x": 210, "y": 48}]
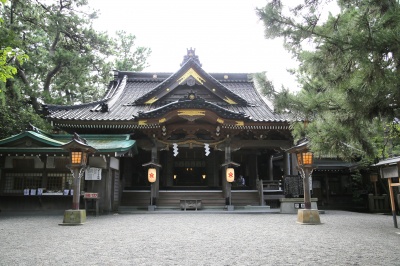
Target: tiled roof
[
  {"x": 121, "y": 100},
  {"x": 103, "y": 143}
]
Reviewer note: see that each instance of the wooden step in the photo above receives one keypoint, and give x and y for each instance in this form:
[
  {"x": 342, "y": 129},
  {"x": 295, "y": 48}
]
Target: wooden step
[
  {"x": 244, "y": 198},
  {"x": 208, "y": 198},
  {"x": 172, "y": 198},
  {"x": 139, "y": 198}
]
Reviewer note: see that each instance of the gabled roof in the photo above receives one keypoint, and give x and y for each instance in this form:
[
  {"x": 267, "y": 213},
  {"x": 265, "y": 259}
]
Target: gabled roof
[
  {"x": 103, "y": 143},
  {"x": 44, "y": 139},
  {"x": 190, "y": 73},
  {"x": 138, "y": 94}
]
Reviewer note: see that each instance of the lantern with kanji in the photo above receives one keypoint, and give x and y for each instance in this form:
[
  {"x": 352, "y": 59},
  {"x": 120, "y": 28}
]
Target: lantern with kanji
[
  {"x": 230, "y": 175},
  {"x": 152, "y": 175}
]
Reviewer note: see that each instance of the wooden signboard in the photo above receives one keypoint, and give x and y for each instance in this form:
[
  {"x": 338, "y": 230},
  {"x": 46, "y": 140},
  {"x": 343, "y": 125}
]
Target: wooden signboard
[{"x": 91, "y": 195}]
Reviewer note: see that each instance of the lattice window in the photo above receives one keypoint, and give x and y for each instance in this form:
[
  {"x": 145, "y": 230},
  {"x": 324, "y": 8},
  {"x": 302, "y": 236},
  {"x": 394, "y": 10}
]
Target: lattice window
[
  {"x": 17, "y": 182},
  {"x": 55, "y": 182},
  {"x": 59, "y": 181},
  {"x": 33, "y": 180}
]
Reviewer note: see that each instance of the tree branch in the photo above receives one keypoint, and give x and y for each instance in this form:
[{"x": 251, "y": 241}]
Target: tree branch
[{"x": 50, "y": 75}]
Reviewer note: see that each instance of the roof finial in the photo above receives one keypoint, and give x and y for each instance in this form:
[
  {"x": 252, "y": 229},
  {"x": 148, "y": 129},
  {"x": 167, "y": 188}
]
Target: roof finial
[{"x": 191, "y": 54}]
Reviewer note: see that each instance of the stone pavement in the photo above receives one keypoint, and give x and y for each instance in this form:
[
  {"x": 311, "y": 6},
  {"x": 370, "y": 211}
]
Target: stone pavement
[{"x": 196, "y": 238}]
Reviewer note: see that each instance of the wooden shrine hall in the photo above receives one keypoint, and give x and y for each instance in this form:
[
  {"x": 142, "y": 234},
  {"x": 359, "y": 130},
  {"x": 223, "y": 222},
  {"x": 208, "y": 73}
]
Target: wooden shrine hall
[{"x": 191, "y": 126}]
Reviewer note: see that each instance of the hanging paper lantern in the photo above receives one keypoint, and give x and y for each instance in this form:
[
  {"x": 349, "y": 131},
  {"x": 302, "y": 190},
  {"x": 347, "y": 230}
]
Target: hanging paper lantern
[
  {"x": 152, "y": 175},
  {"x": 230, "y": 175}
]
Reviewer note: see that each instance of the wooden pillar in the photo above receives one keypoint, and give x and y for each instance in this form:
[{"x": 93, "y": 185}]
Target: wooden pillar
[
  {"x": 392, "y": 202},
  {"x": 108, "y": 188},
  {"x": 293, "y": 165},
  {"x": 286, "y": 164},
  {"x": 226, "y": 186},
  {"x": 155, "y": 188},
  {"x": 271, "y": 168}
]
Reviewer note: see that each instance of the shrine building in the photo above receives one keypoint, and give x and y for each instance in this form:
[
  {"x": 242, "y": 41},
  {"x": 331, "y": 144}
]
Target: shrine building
[{"x": 191, "y": 126}]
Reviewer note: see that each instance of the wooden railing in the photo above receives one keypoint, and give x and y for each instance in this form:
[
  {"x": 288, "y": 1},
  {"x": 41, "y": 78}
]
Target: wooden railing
[
  {"x": 378, "y": 203},
  {"x": 269, "y": 186}
]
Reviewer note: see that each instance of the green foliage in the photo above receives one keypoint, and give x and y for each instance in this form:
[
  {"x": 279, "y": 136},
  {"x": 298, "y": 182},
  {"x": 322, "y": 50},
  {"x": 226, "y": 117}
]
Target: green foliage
[
  {"x": 349, "y": 71},
  {"x": 7, "y": 53},
  {"x": 130, "y": 59},
  {"x": 16, "y": 116},
  {"x": 69, "y": 62},
  {"x": 7, "y": 71}
]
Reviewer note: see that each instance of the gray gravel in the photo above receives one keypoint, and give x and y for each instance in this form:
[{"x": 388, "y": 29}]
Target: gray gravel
[{"x": 344, "y": 238}]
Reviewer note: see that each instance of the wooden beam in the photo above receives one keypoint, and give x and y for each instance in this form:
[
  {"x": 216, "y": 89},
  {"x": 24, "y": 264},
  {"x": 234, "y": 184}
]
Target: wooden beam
[{"x": 284, "y": 144}]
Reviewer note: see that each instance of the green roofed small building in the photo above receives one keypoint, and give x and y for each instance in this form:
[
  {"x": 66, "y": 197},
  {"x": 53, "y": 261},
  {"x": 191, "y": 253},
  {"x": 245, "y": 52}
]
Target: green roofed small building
[{"x": 34, "y": 173}]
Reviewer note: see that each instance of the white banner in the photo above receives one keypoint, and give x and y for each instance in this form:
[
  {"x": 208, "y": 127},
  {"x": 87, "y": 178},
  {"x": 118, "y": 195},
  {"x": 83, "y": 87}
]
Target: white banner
[{"x": 93, "y": 173}]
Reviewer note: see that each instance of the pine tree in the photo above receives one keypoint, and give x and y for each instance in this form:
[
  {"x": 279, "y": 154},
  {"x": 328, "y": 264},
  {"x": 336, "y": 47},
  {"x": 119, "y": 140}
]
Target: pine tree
[{"x": 349, "y": 71}]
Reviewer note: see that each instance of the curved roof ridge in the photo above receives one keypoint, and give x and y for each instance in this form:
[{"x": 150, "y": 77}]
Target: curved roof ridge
[
  {"x": 46, "y": 107},
  {"x": 117, "y": 92}
]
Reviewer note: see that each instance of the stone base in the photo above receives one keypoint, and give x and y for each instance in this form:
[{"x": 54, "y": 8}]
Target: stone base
[
  {"x": 230, "y": 208},
  {"x": 292, "y": 205},
  {"x": 151, "y": 208},
  {"x": 305, "y": 216},
  {"x": 74, "y": 217}
]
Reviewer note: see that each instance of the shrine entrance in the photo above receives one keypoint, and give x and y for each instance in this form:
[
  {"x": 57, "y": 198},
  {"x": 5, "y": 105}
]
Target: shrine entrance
[
  {"x": 190, "y": 175},
  {"x": 190, "y": 169}
]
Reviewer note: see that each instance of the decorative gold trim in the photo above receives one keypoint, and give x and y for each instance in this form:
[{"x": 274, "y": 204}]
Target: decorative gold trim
[
  {"x": 229, "y": 100},
  {"x": 142, "y": 123},
  {"x": 219, "y": 120},
  {"x": 152, "y": 100},
  {"x": 162, "y": 120},
  {"x": 239, "y": 123},
  {"x": 192, "y": 73},
  {"x": 191, "y": 112},
  {"x": 193, "y": 142}
]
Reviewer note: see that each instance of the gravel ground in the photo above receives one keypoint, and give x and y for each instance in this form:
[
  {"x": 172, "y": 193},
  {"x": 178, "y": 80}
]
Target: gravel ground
[{"x": 190, "y": 238}]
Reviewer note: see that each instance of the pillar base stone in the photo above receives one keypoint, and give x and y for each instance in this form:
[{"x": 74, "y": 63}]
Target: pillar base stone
[
  {"x": 74, "y": 217},
  {"x": 308, "y": 216}
]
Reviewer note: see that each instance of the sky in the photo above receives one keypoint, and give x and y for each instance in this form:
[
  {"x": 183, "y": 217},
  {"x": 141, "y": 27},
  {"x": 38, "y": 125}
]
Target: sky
[{"x": 227, "y": 35}]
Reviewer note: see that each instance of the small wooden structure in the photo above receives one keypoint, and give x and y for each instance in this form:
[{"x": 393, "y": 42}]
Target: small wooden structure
[{"x": 390, "y": 169}]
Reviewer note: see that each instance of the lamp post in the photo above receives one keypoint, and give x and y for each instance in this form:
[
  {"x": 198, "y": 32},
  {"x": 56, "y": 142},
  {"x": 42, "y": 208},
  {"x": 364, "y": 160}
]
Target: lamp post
[
  {"x": 152, "y": 178},
  {"x": 305, "y": 166},
  {"x": 230, "y": 177},
  {"x": 305, "y": 161},
  {"x": 79, "y": 151}
]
